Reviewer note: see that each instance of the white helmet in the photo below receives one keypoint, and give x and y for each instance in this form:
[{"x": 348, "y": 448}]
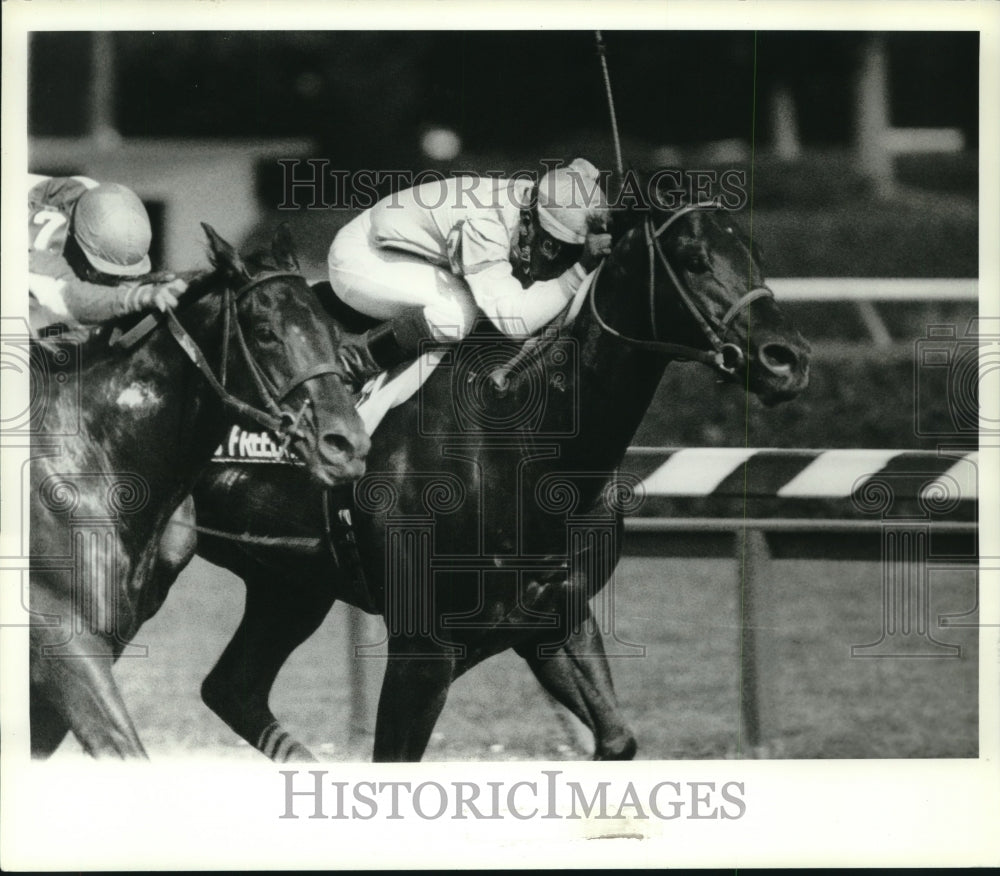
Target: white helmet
[{"x": 568, "y": 199}]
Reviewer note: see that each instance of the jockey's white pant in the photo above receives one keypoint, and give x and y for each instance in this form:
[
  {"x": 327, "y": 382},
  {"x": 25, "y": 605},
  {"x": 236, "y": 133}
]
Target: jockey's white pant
[{"x": 383, "y": 282}]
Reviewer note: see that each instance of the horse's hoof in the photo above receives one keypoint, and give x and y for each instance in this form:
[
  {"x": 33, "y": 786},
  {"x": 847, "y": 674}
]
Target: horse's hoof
[
  {"x": 619, "y": 749},
  {"x": 298, "y": 753}
]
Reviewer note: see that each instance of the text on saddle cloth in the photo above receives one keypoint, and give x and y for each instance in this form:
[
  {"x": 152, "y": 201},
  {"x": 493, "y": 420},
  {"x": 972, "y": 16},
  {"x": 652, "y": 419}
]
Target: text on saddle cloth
[{"x": 380, "y": 395}]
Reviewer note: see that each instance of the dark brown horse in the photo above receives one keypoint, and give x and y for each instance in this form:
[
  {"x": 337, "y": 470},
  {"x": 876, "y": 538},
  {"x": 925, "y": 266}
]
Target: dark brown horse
[
  {"x": 119, "y": 445},
  {"x": 490, "y": 515}
]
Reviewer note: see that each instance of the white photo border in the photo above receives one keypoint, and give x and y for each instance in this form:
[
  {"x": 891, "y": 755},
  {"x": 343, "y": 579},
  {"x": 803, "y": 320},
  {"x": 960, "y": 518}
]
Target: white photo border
[{"x": 202, "y": 814}]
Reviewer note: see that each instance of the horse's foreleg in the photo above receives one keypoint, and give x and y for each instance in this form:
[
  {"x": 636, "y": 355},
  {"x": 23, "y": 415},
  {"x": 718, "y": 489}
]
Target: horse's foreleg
[
  {"x": 76, "y": 690},
  {"x": 48, "y": 726},
  {"x": 280, "y": 614},
  {"x": 414, "y": 691},
  {"x": 579, "y": 677}
]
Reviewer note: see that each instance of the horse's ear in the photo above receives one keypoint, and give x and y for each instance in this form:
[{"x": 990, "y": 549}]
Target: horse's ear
[
  {"x": 222, "y": 254},
  {"x": 616, "y": 222},
  {"x": 283, "y": 249}
]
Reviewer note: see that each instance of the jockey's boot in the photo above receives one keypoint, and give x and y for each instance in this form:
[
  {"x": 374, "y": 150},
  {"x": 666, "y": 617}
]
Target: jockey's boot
[{"x": 397, "y": 340}]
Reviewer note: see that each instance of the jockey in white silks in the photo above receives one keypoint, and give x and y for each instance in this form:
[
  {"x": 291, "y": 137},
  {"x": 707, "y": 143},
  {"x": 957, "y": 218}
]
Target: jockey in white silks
[{"x": 430, "y": 258}]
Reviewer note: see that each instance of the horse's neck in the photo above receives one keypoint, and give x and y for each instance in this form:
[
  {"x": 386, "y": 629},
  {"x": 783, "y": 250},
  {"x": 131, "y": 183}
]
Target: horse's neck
[
  {"x": 615, "y": 381},
  {"x": 154, "y": 412}
]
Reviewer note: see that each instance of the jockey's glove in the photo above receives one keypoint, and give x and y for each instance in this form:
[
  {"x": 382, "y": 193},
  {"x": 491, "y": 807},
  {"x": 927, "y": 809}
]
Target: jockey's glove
[
  {"x": 150, "y": 296},
  {"x": 596, "y": 246}
]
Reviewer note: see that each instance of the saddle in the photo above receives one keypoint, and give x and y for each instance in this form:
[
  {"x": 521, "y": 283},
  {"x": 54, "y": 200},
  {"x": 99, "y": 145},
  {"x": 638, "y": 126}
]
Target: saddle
[{"x": 352, "y": 320}]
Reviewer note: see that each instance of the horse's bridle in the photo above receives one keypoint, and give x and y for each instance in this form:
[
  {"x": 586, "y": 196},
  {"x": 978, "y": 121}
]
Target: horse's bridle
[
  {"x": 714, "y": 330},
  {"x": 281, "y": 421}
]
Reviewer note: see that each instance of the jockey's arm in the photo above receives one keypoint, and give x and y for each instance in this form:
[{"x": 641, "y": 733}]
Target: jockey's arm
[
  {"x": 54, "y": 284},
  {"x": 516, "y": 311},
  {"x": 520, "y": 312}
]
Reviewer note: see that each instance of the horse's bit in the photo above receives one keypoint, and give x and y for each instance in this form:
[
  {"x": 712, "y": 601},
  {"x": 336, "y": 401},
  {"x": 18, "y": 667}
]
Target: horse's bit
[
  {"x": 281, "y": 421},
  {"x": 714, "y": 330}
]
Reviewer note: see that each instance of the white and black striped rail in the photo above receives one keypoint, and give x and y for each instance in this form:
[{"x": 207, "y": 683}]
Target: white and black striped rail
[
  {"x": 810, "y": 503},
  {"x": 798, "y": 474}
]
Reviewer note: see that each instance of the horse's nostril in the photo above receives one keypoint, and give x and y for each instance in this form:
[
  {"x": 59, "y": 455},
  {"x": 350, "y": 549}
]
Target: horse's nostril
[
  {"x": 338, "y": 443},
  {"x": 350, "y": 445},
  {"x": 779, "y": 358}
]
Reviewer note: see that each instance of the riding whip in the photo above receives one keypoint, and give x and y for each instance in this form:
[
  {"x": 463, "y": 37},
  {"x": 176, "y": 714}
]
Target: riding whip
[{"x": 602, "y": 54}]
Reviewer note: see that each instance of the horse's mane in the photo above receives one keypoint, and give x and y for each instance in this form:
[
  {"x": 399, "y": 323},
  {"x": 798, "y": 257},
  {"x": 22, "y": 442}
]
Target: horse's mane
[
  {"x": 628, "y": 210},
  {"x": 262, "y": 259},
  {"x": 632, "y": 201}
]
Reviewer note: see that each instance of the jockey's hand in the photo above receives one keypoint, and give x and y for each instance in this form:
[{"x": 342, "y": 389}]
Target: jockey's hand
[
  {"x": 596, "y": 246},
  {"x": 150, "y": 296},
  {"x": 159, "y": 277}
]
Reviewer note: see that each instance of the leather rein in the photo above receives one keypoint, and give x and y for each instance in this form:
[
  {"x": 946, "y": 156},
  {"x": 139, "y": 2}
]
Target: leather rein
[
  {"x": 273, "y": 416},
  {"x": 714, "y": 330}
]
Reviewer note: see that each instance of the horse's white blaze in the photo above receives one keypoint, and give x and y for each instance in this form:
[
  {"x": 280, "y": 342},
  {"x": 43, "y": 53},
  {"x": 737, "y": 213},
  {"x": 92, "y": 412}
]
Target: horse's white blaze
[{"x": 137, "y": 395}]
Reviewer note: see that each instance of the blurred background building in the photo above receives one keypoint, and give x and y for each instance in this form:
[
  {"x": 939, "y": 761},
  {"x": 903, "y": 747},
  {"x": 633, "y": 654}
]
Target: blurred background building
[{"x": 195, "y": 121}]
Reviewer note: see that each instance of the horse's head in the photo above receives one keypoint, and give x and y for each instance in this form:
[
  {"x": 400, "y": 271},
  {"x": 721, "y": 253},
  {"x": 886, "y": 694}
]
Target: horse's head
[
  {"x": 283, "y": 354},
  {"x": 706, "y": 300}
]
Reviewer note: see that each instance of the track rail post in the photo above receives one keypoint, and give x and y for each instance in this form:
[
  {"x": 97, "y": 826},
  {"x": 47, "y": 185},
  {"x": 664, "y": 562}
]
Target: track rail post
[
  {"x": 363, "y": 676},
  {"x": 752, "y": 564}
]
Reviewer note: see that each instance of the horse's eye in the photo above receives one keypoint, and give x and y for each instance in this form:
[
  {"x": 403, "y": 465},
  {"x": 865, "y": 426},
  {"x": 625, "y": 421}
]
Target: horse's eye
[
  {"x": 265, "y": 334},
  {"x": 696, "y": 262}
]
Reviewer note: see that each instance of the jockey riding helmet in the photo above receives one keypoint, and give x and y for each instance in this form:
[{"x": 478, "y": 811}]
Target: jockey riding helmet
[
  {"x": 568, "y": 199},
  {"x": 112, "y": 228}
]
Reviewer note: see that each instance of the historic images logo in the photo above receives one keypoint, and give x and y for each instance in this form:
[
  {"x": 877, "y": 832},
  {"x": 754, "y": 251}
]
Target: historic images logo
[{"x": 312, "y": 184}]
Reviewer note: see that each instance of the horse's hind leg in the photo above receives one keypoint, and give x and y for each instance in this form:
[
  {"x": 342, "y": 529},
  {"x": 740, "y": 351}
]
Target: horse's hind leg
[
  {"x": 579, "y": 677},
  {"x": 77, "y": 688},
  {"x": 280, "y": 614},
  {"x": 417, "y": 679}
]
